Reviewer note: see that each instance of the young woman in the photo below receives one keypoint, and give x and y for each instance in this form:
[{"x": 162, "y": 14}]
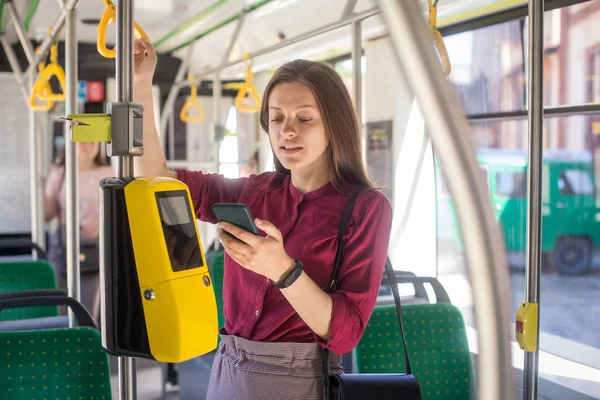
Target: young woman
[
  {"x": 92, "y": 169},
  {"x": 270, "y": 347}
]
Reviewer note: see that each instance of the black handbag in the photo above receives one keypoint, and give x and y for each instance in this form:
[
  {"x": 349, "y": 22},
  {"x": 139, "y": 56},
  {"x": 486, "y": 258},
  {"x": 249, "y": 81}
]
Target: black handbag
[{"x": 368, "y": 386}]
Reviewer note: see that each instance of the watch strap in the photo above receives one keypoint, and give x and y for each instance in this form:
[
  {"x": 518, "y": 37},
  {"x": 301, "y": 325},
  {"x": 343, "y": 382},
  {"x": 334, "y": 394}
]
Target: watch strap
[{"x": 291, "y": 276}]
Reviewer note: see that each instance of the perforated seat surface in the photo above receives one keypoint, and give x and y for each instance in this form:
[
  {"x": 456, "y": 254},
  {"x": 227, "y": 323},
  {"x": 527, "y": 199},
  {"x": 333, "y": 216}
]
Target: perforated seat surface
[
  {"x": 437, "y": 346},
  {"x": 61, "y": 364},
  {"x": 27, "y": 275}
]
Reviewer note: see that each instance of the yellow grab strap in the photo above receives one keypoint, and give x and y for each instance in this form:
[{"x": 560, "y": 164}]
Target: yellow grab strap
[
  {"x": 248, "y": 86},
  {"x": 44, "y": 91},
  {"x": 39, "y": 107},
  {"x": 438, "y": 41},
  {"x": 109, "y": 16},
  {"x": 192, "y": 102}
]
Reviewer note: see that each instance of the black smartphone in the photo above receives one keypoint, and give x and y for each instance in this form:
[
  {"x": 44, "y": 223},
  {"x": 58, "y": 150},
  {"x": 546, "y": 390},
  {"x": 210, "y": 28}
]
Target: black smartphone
[{"x": 236, "y": 214}]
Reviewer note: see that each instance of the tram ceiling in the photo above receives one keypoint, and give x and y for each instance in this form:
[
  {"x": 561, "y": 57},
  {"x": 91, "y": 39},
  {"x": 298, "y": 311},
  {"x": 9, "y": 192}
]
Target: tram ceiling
[{"x": 208, "y": 25}]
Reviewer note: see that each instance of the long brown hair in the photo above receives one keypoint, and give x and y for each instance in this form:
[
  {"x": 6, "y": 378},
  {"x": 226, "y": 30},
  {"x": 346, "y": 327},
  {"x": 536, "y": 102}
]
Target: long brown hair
[{"x": 339, "y": 116}]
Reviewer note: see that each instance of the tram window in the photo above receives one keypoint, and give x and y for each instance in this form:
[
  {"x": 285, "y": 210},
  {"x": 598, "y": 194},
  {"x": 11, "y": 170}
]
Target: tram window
[
  {"x": 489, "y": 77},
  {"x": 511, "y": 184},
  {"x": 487, "y": 68},
  {"x": 575, "y": 182}
]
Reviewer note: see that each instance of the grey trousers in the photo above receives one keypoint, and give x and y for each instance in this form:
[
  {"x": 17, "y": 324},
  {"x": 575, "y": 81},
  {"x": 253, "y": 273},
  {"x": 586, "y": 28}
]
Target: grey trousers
[{"x": 249, "y": 370}]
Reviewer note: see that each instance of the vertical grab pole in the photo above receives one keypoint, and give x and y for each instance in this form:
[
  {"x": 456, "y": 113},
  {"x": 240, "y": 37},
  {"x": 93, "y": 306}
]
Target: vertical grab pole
[
  {"x": 72, "y": 163},
  {"x": 37, "y": 196},
  {"x": 124, "y": 71},
  {"x": 219, "y": 129},
  {"x": 357, "y": 79},
  {"x": 535, "y": 107},
  {"x": 124, "y": 170}
]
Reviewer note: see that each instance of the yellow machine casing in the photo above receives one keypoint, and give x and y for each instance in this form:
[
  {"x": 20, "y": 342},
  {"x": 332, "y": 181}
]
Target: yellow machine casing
[
  {"x": 178, "y": 298},
  {"x": 526, "y": 332}
]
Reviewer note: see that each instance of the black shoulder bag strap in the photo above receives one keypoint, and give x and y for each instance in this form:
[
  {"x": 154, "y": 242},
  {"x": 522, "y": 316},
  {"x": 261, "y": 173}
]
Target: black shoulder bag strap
[{"x": 389, "y": 271}]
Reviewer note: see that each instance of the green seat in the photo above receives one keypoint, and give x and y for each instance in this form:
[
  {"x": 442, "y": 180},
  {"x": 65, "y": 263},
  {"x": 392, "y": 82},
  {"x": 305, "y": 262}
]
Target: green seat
[
  {"x": 216, "y": 273},
  {"x": 27, "y": 275},
  {"x": 437, "y": 345},
  {"x": 66, "y": 363}
]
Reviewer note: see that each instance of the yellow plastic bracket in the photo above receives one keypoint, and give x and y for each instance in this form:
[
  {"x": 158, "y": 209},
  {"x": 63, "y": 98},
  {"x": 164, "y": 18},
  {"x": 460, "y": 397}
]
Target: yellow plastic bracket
[
  {"x": 438, "y": 40},
  {"x": 526, "y": 328},
  {"x": 192, "y": 102},
  {"x": 109, "y": 16},
  {"x": 88, "y": 128},
  {"x": 248, "y": 86}
]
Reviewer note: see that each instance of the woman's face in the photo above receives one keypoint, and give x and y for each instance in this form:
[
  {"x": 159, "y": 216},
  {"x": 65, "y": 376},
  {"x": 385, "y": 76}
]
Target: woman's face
[
  {"x": 88, "y": 151},
  {"x": 296, "y": 129}
]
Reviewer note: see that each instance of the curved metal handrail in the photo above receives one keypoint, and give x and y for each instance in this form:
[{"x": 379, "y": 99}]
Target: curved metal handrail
[{"x": 449, "y": 131}]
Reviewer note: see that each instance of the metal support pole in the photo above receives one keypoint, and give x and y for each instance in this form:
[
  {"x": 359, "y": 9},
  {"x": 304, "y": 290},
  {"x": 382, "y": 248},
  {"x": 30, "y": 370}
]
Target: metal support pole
[
  {"x": 171, "y": 136},
  {"x": 27, "y": 48},
  {"x": 357, "y": 80},
  {"x": 124, "y": 71},
  {"x": 45, "y": 46},
  {"x": 217, "y": 96},
  {"x": 72, "y": 163},
  {"x": 349, "y": 8},
  {"x": 167, "y": 110},
  {"x": 288, "y": 42},
  {"x": 549, "y": 112},
  {"x": 535, "y": 107},
  {"x": 38, "y": 236},
  {"x": 235, "y": 36},
  {"x": 124, "y": 83},
  {"x": 448, "y": 129}
]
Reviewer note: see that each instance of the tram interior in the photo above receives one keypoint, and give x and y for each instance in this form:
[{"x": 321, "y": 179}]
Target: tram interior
[{"x": 487, "y": 47}]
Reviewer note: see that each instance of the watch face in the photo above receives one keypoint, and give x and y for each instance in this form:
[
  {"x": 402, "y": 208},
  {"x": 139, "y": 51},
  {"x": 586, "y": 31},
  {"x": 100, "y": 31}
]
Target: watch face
[{"x": 293, "y": 276}]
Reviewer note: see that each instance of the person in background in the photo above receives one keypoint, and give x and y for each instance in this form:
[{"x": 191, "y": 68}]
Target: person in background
[{"x": 92, "y": 169}]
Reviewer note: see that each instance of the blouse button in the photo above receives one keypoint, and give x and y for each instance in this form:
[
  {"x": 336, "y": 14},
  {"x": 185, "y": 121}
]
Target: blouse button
[
  {"x": 293, "y": 218},
  {"x": 300, "y": 197},
  {"x": 257, "y": 312}
]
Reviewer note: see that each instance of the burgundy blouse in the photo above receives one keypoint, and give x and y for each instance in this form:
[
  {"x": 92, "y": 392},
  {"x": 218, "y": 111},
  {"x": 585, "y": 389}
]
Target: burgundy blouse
[{"x": 254, "y": 308}]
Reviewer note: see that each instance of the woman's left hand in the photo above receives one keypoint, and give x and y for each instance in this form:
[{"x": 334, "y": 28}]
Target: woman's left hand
[{"x": 263, "y": 255}]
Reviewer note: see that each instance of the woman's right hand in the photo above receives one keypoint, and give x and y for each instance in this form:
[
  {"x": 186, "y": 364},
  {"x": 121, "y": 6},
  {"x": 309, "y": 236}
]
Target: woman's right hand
[{"x": 144, "y": 60}]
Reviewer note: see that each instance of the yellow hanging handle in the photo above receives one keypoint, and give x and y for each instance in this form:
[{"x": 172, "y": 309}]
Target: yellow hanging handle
[
  {"x": 248, "y": 86},
  {"x": 438, "y": 41},
  {"x": 192, "y": 102},
  {"x": 33, "y": 96},
  {"x": 109, "y": 16},
  {"x": 45, "y": 88},
  {"x": 52, "y": 69}
]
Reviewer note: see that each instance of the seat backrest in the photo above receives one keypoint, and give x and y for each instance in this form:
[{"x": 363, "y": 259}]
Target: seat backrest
[
  {"x": 27, "y": 275},
  {"x": 216, "y": 273},
  {"x": 55, "y": 364},
  {"x": 437, "y": 345}
]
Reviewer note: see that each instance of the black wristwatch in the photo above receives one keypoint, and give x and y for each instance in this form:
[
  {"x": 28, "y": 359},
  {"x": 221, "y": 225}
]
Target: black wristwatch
[{"x": 291, "y": 277}]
